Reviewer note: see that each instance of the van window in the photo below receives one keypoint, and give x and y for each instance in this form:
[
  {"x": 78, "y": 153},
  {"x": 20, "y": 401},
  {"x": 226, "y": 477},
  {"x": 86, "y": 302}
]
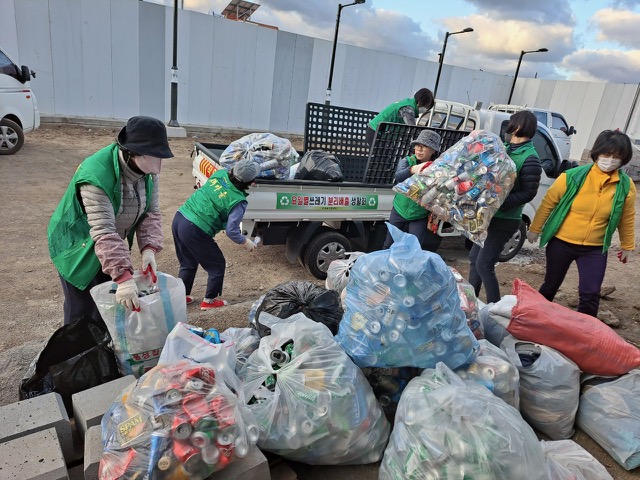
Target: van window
[
  {"x": 8, "y": 68},
  {"x": 455, "y": 121},
  {"x": 558, "y": 122},
  {"x": 542, "y": 117}
]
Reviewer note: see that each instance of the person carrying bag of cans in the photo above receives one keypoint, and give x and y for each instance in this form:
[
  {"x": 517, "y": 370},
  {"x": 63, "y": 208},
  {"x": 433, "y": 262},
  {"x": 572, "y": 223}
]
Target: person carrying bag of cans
[
  {"x": 218, "y": 205},
  {"x": 112, "y": 197},
  {"x": 406, "y": 214}
]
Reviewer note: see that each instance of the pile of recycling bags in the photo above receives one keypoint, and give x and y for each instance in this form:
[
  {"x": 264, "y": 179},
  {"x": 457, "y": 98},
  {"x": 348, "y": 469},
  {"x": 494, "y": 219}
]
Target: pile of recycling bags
[{"x": 466, "y": 185}]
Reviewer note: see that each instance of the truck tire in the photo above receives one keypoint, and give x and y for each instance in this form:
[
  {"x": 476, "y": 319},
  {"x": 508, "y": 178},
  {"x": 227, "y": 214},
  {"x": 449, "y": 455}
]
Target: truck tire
[
  {"x": 324, "y": 249},
  {"x": 513, "y": 246},
  {"x": 11, "y": 137}
]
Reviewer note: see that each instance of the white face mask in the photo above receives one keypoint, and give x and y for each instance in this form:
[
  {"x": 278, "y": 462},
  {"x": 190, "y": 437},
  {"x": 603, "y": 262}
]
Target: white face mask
[
  {"x": 422, "y": 110},
  {"x": 149, "y": 164},
  {"x": 608, "y": 164}
]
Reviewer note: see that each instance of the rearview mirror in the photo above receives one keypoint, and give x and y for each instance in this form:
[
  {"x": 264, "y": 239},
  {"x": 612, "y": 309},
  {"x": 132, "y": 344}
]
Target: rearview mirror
[
  {"x": 571, "y": 131},
  {"x": 25, "y": 74}
]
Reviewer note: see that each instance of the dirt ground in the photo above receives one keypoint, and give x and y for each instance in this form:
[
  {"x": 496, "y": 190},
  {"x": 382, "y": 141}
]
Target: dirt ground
[{"x": 32, "y": 183}]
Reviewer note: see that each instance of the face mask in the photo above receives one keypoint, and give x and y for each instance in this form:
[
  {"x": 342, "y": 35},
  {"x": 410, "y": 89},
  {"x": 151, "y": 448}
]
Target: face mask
[
  {"x": 149, "y": 164},
  {"x": 608, "y": 164}
]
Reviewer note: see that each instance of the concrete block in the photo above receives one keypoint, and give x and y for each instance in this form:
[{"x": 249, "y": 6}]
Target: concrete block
[
  {"x": 176, "y": 132},
  {"x": 252, "y": 467},
  {"x": 90, "y": 405},
  {"x": 37, "y": 456},
  {"x": 34, "y": 415},
  {"x": 76, "y": 473},
  {"x": 92, "y": 452}
]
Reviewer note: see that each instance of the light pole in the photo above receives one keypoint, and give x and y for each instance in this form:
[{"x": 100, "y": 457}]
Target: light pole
[
  {"x": 173, "y": 122},
  {"x": 522, "y": 54},
  {"x": 327, "y": 97},
  {"x": 441, "y": 55}
]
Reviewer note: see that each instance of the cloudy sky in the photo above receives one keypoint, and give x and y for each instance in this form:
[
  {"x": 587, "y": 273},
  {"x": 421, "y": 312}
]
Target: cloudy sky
[{"x": 593, "y": 40}]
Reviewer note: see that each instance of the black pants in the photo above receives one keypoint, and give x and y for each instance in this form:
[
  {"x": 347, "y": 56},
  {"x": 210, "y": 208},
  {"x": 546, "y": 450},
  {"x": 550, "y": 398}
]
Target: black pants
[
  {"x": 428, "y": 240},
  {"x": 79, "y": 303},
  {"x": 194, "y": 247},
  {"x": 483, "y": 259}
]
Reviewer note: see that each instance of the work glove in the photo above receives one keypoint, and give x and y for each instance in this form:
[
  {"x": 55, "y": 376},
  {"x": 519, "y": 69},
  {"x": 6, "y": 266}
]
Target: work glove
[
  {"x": 127, "y": 295},
  {"x": 623, "y": 255},
  {"x": 149, "y": 266},
  {"x": 248, "y": 245},
  {"x": 533, "y": 236}
]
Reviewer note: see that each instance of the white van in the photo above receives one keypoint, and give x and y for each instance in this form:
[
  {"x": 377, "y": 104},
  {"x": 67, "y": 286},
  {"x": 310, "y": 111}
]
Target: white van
[
  {"x": 18, "y": 107},
  {"x": 554, "y": 121}
]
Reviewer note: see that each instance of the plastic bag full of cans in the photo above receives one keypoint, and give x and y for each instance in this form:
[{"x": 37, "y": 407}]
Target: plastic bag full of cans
[
  {"x": 176, "y": 421},
  {"x": 312, "y": 404},
  {"x": 402, "y": 310},
  {"x": 274, "y": 154},
  {"x": 468, "y": 303},
  {"x": 445, "y": 428},
  {"x": 466, "y": 185}
]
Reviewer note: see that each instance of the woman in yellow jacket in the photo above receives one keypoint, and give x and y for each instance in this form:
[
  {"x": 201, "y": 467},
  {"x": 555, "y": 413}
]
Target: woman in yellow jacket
[{"x": 578, "y": 215}]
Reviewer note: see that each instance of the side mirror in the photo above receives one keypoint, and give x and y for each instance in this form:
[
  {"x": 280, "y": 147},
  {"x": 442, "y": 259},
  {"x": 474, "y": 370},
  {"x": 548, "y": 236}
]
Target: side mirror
[
  {"x": 25, "y": 74},
  {"x": 571, "y": 131}
]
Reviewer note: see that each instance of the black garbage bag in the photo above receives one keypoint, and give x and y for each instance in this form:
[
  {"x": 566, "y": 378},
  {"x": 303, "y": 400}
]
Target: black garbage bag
[
  {"x": 319, "y": 165},
  {"x": 75, "y": 358},
  {"x": 289, "y": 298}
]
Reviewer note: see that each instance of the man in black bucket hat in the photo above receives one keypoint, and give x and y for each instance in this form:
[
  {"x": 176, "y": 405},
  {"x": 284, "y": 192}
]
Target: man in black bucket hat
[{"x": 113, "y": 196}]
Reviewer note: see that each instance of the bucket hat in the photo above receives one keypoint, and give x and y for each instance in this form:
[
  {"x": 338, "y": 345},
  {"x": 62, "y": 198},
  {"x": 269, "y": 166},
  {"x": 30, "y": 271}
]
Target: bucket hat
[
  {"x": 145, "y": 136},
  {"x": 246, "y": 170},
  {"x": 428, "y": 138}
]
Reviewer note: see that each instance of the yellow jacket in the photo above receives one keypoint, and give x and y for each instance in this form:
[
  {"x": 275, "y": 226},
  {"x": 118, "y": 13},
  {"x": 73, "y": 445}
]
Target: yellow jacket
[{"x": 586, "y": 222}]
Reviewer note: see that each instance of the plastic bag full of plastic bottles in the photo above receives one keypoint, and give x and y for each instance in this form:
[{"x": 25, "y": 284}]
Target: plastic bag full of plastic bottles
[
  {"x": 177, "y": 421},
  {"x": 402, "y": 310},
  {"x": 447, "y": 429},
  {"x": 312, "y": 404},
  {"x": 466, "y": 185},
  {"x": 274, "y": 154}
]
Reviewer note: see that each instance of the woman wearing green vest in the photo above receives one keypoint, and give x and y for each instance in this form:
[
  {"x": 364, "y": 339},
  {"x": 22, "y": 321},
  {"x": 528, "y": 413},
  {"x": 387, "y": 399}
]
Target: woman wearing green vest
[
  {"x": 522, "y": 128},
  {"x": 112, "y": 197},
  {"x": 578, "y": 215},
  {"x": 218, "y": 205},
  {"x": 406, "y": 214},
  {"x": 402, "y": 111}
]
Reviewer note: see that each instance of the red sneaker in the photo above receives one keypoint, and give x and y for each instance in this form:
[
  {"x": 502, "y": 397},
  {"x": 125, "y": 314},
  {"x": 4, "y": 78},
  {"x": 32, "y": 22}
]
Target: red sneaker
[
  {"x": 208, "y": 304},
  {"x": 190, "y": 300}
]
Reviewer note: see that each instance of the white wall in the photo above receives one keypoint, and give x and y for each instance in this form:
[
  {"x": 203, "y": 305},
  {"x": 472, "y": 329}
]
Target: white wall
[{"x": 112, "y": 59}]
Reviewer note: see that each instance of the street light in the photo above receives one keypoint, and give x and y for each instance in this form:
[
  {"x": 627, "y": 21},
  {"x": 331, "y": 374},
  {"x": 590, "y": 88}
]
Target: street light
[
  {"x": 173, "y": 122},
  {"x": 441, "y": 55},
  {"x": 522, "y": 54},
  {"x": 327, "y": 97}
]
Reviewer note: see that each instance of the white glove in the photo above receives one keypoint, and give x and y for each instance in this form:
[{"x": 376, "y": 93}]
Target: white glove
[
  {"x": 127, "y": 295},
  {"x": 149, "y": 266},
  {"x": 623, "y": 255},
  {"x": 248, "y": 245},
  {"x": 533, "y": 236}
]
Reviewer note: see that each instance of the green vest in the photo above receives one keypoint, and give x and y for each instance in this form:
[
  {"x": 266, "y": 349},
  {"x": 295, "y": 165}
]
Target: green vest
[
  {"x": 390, "y": 114},
  {"x": 208, "y": 207},
  {"x": 407, "y": 208},
  {"x": 518, "y": 154},
  {"x": 70, "y": 244},
  {"x": 575, "y": 179}
]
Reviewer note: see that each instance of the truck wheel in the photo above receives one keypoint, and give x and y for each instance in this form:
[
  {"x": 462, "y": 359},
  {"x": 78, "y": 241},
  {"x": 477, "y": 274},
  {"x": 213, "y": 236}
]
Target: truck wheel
[
  {"x": 11, "y": 137},
  {"x": 324, "y": 249},
  {"x": 513, "y": 246}
]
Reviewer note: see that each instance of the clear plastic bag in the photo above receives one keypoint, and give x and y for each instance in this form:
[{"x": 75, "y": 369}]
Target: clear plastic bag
[
  {"x": 466, "y": 185},
  {"x": 610, "y": 414},
  {"x": 402, "y": 310},
  {"x": 313, "y": 405},
  {"x": 468, "y": 303},
  {"x": 493, "y": 369},
  {"x": 246, "y": 341},
  {"x": 495, "y": 318},
  {"x": 566, "y": 460},
  {"x": 549, "y": 387},
  {"x": 388, "y": 385},
  {"x": 339, "y": 271},
  {"x": 319, "y": 165},
  {"x": 274, "y": 154},
  {"x": 177, "y": 421},
  {"x": 138, "y": 337},
  {"x": 446, "y": 429}
]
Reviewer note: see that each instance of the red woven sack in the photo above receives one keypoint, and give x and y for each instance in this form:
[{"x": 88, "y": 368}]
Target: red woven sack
[{"x": 591, "y": 344}]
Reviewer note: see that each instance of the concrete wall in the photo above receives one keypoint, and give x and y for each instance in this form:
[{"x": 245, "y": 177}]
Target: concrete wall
[{"x": 112, "y": 58}]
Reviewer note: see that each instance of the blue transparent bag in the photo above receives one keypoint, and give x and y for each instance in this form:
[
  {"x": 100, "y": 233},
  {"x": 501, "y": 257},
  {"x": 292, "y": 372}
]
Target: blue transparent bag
[{"x": 402, "y": 310}]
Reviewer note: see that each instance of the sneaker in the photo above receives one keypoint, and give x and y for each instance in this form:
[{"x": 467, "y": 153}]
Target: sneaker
[
  {"x": 190, "y": 300},
  {"x": 209, "y": 303}
]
